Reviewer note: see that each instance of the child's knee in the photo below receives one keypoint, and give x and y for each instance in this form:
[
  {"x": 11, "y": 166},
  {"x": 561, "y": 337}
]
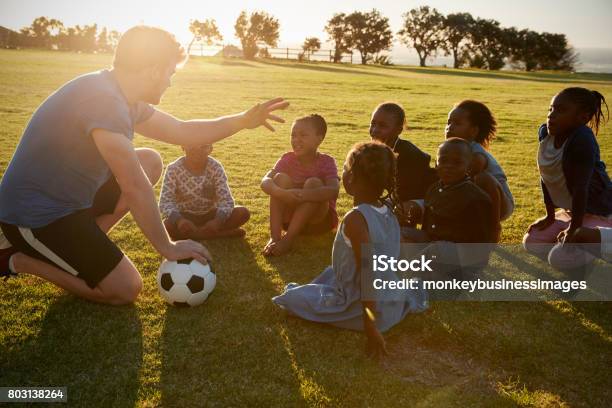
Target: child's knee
[
  {"x": 568, "y": 257},
  {"x": 242, "y": 213},
  {"x": 283, "y": 180},
  {"x": 313, "y": 182}
]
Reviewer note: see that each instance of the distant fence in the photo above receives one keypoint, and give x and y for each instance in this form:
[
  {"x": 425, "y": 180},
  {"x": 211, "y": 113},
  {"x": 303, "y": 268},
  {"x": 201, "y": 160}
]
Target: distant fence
[{"x": 297, "y": 54}]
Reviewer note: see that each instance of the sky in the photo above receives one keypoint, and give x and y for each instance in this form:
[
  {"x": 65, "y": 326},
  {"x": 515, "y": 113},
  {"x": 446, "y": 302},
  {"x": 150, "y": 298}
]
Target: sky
[{"x": 585, "y": 26}]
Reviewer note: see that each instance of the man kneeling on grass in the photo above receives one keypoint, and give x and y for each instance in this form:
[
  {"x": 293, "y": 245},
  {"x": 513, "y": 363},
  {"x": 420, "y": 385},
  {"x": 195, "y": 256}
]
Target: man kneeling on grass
[{"x": 75, "y": 172}]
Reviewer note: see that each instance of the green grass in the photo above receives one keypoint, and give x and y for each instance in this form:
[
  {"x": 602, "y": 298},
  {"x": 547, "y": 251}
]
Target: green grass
[{"x": 238, "y": 349}]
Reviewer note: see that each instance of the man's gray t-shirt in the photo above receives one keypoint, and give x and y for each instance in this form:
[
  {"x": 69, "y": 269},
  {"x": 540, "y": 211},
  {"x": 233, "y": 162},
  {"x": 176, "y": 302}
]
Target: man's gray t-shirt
[{"x": 57, "y": 168}]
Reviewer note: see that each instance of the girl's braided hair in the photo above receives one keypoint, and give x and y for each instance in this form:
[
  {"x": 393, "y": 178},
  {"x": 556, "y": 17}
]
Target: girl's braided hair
[
  {"x": 375, "y": 164},
  {"x": 591, "y": 102}
]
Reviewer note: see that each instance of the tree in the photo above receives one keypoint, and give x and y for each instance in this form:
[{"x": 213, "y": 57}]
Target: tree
[
  {"x": 455, "y": 36},
  {"x": 422, "y": 30},
  {"x": 43, "y": 32},
  {"x": 311, "y": 45},
  {"x": 103, "y": 44},
  {"x": 86, "y": 37},
  {"x": 206, "y": 31},
  {"x": 77, "y": 38},
  {"x": 67, "y": 39},
  {"x": 338, "y": 31},
  {"x": 369, "y": 33},
  {"x": 530, "y": 50},
  {"x": 258, "y": 29},
  {"x": 489, "y": 45},
  {"x": 556, "y": 53},
  {"x": 113, "y": 38}
]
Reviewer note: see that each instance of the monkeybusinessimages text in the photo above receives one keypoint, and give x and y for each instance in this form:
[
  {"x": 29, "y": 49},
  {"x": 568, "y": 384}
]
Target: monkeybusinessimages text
[{"x": 384, "y": 263}]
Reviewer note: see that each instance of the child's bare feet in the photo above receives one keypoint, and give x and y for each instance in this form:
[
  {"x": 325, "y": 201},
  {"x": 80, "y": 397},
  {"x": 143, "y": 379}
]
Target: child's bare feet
[
  {"x": 282, "y": 247},
  {"x": 267, "y": 251}
]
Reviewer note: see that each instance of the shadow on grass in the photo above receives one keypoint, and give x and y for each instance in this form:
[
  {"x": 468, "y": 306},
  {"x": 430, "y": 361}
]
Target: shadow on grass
[
  {"x": 93, "y": 350},
  {"x": 334, "y": 359},
  {"x": 236, "y": 63},
  {"x": 227, "y": 351},
  {"x": 493, "y": 354},
  {"x": 546, "y": 77},
  {"x": 322, "y": 68},
  {"x": 602, "y": 79}
]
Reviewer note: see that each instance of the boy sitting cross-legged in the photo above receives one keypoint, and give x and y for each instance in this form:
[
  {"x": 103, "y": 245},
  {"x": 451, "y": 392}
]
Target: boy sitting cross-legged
[
  {"x": 196, "y": 202},
  {"x": 303, "y": 187}
]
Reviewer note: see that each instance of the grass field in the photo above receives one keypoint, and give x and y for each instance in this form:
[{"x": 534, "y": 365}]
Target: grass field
[{"x": 238, "y": 349}]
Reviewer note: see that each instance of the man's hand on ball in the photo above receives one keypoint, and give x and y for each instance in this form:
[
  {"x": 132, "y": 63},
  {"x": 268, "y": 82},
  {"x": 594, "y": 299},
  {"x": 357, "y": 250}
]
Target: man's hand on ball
[{"x": 188, "y": 249}]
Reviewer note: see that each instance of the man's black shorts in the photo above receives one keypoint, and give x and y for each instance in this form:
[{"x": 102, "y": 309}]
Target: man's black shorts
[{"x": 74, "y": 243}]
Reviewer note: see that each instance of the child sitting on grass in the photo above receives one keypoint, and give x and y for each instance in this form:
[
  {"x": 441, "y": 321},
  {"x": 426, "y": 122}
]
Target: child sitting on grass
[
  {"x": 572, "y": 176},
  {"x": 473, "y": 121},
  {"x": 196, "y": 202},
  {"x": 303, "y": 188},
  {"x": 338, "y": 296},
  {"x": 414, "y": 176},
  {"x": 456, "y": 209}
]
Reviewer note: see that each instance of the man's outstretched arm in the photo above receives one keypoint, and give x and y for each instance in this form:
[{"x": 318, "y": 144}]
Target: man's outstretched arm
[
  {"x": 119, "y": 154},
  {"x": 166, "y": 128}
]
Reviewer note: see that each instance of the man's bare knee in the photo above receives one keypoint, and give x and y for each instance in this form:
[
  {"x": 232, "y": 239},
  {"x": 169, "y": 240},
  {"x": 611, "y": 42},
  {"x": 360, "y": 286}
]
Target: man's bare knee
[
  {"x": 129, "y": 292},
  {"x": 283, "y": 180},
  {"x": 152, "y": 164},
  {"x": 123, "y": 285},
  {"x": 313, "y": 182}
]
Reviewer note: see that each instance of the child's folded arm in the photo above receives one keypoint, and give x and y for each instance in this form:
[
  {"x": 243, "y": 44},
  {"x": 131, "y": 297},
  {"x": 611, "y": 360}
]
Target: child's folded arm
[
  {"x": 327, "y": 192},
  {"x": 268, "y": 185}
]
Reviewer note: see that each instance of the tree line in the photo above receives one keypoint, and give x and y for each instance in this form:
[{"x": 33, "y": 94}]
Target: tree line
[
  {"x": 50, "y": 33},
  {"x": 471, "y": 41}
]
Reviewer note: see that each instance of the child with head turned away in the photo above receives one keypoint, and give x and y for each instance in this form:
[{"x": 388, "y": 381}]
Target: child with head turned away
[{"x": 341, "y": 295}]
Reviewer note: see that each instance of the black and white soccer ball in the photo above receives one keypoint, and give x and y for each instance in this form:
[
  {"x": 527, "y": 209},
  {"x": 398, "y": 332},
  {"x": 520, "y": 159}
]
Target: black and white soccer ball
[{"x": 186, "y": 282}]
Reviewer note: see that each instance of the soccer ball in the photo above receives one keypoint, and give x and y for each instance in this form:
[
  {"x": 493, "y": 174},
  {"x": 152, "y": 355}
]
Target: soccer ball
[{"x": 186, "y": 282}]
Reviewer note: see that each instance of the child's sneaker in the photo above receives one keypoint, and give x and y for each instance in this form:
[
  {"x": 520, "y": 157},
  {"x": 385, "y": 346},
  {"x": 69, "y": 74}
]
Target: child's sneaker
[{"x": 5, "y": 256}]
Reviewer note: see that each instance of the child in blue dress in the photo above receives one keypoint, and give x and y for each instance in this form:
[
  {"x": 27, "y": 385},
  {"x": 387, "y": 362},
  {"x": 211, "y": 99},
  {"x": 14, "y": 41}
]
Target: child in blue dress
[{"x": 337, "y": 296}]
